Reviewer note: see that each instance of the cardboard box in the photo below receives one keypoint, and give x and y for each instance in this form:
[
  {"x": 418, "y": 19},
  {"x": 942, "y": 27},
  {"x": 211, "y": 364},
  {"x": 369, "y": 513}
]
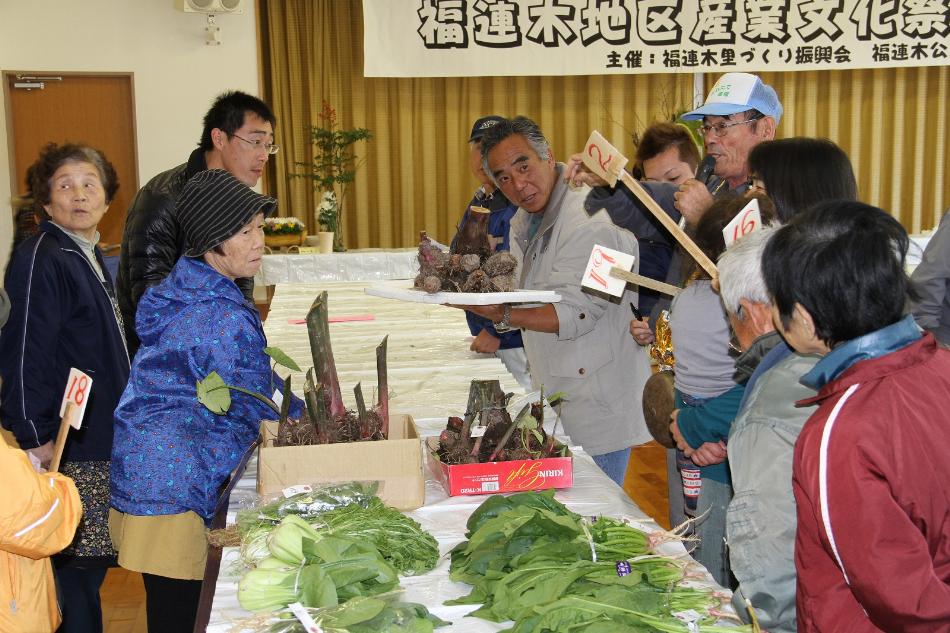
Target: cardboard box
[
  {"x": 396, "y": 463},
  {"x": 493, "y": 477}
]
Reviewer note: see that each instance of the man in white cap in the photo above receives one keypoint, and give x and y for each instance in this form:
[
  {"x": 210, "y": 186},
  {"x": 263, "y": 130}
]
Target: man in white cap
[{"x": 740, "y": 112}]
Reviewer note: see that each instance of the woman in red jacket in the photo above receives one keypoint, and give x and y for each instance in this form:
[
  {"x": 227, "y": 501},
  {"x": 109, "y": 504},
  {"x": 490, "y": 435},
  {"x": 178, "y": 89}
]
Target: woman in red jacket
[{"x": 873, "y": 545}]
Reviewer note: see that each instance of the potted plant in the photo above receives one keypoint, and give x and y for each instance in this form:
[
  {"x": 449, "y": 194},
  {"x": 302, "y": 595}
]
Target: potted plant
[
  {"x": 332, "y": 169},
  {"x": 279, "y": 232}
]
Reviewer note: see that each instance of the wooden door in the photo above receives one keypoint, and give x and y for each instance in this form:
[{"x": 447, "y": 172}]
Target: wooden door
[{"x": 97, "y": 110}]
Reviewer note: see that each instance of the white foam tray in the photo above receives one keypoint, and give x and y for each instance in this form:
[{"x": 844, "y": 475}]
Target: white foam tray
[{"x": 416, "y": 295}]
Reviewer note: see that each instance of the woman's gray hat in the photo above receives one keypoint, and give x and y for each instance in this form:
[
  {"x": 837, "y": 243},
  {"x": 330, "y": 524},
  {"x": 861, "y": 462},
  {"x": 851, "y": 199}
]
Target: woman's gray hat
[{"x": 213, "y": 206}]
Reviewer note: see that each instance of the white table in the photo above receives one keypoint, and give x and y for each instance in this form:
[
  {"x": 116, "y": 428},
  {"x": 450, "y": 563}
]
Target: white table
[
  {"x": 430, "y": 372},
  {"x": 430, "y": 365},
  {"x": 444, "y": 517},
  {"x": 355, "y": 265}
]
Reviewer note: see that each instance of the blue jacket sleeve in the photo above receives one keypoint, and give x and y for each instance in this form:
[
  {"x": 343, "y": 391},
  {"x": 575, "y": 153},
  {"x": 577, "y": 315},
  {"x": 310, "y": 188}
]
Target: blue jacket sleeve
[{"x": 710, "y": 421}]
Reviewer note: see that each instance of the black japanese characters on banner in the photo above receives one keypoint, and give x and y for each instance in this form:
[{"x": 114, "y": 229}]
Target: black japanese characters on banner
[{"x": 604, "y": 36}]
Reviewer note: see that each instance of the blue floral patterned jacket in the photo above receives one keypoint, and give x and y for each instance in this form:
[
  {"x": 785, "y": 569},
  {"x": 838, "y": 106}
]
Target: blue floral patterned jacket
[{"x": 170, "y": 453}]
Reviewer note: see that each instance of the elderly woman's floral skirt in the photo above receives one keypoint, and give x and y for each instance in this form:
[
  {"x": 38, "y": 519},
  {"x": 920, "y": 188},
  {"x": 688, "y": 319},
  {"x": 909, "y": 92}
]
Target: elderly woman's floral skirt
[{"x": 92, "y": 541}]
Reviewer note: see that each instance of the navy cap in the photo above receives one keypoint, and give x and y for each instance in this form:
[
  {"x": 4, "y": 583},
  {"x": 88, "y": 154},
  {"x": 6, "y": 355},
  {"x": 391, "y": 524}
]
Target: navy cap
[{"x": 481, "y": 126}]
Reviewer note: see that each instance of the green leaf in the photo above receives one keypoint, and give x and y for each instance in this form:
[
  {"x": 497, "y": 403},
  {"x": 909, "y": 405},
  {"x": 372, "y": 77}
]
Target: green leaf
[
  {"x": 527, "y": 421},
  {"x": 557, "y": 398},
  {"x": 316, "y": 588},
  {"x": 214, "y": 394},
  {"x": 282, "y": 358},
  {"x": 354, "y": 611}
]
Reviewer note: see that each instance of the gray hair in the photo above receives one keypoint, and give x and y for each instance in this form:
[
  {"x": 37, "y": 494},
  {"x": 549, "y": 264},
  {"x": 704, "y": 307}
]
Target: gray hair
[
  {"x": 740, "y": 271},
  {"x": 521, "y": 125}
]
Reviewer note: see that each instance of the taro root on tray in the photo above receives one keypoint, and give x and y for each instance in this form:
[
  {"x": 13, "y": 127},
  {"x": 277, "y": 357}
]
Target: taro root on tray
[
  {"x": 470, "y": 265},
  {"x": 487, "y": 433}
]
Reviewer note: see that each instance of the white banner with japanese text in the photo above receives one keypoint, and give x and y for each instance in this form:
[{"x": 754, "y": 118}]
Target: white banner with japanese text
[{"x": 460, "y": 38}]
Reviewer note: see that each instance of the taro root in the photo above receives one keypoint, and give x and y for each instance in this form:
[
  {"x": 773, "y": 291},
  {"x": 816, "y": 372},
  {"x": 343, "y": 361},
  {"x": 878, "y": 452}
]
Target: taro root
[
  {"x": 502, "y": 439},
  {"x": 503, "y": 263},
  {"x": 470, "y": 266},
  {"x": 478, "y": 281},
  {"x": 431, "y": 261},
  {"x": 503, "y": 283},
  {"x": 432, "y": 283},
  {"x": 327, "y": 420},
  {"x": 470, "y": 262}
]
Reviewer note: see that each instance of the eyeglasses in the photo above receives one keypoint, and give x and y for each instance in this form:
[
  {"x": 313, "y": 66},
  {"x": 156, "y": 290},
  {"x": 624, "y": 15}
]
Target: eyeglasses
[
  {"x": 270, "y": 148},
  {"x": 720, "y": 129}
]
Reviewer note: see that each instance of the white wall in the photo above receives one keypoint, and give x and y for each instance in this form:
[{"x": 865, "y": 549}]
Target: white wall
[{"x": 176, "y": 76}]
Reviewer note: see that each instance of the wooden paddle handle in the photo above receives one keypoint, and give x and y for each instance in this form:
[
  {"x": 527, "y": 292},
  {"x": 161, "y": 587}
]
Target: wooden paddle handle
[
  {"x": 644, "y": 282},
  {"x": 670, "y": 225},
  {"x": 61, "y": 438}
]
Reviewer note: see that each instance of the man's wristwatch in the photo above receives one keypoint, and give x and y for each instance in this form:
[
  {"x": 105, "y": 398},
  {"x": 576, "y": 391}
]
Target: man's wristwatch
[{"x": 504, "y": 326}]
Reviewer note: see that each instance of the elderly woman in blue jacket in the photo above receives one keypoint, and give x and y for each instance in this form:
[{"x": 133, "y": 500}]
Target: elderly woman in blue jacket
[{"x": 171, "y": 454}]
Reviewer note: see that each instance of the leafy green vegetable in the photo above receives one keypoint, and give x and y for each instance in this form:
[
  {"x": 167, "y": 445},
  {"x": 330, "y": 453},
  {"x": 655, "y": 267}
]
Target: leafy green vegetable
[
  {"x": 531, "y": 560},
  {"x": 308, "y": 504},
  {"x": 401, "y": 540},
  {"x": 366, "y": 615},
  {"x": 496, "y": 504},
  {"x": 320, "y": 570}
]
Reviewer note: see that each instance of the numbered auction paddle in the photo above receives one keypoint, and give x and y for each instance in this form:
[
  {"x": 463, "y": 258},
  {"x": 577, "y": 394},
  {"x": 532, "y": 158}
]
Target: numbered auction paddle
[
  {"x": 603, "y": 159},
  {"x": 78, "y": 386},
  {"x": 608, "y": 271},
  {"x": 747, "y": 221}
]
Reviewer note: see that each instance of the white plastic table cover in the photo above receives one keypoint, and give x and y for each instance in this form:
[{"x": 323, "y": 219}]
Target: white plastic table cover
[
  {"x": 430, "y": 369},
  {"x": 355, "y": 265},
  {"x": 417, "y": 295},
  {"x": 918, "y": 243}
]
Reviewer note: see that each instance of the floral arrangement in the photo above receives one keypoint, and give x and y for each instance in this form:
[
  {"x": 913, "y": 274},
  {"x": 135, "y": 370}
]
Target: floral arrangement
[
  {"x": 283, "y": 226},
  {"x": 328, "y": 213}
]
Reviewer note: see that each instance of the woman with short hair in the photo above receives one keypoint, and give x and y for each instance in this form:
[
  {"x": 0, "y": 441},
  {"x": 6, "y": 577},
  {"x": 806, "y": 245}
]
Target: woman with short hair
[
  {"x": 869, "y": 475},
  {"x": 64, "y": 314}
]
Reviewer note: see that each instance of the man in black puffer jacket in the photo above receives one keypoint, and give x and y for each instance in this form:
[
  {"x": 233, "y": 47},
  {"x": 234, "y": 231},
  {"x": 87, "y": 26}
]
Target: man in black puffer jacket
[{"x": 238, "y": 136}]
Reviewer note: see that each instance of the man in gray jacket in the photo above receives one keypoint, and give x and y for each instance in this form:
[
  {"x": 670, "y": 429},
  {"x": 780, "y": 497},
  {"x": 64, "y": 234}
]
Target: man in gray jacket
[
  {"x": 580, "y": 345},
  {"x": 761, "y": 519}
]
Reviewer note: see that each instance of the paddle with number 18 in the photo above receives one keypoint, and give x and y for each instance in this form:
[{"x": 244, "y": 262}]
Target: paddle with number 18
[{"x": 75, "y": 399}]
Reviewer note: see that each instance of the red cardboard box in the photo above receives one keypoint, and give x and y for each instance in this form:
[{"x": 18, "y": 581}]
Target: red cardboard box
[{"x": 493, "y": 477}]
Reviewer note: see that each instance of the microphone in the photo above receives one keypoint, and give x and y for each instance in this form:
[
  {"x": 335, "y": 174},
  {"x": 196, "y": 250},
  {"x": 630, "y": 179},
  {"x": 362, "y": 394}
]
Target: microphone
[
  {"x": 705, "y": 169},
  {"x": 703, "y": 173}
]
